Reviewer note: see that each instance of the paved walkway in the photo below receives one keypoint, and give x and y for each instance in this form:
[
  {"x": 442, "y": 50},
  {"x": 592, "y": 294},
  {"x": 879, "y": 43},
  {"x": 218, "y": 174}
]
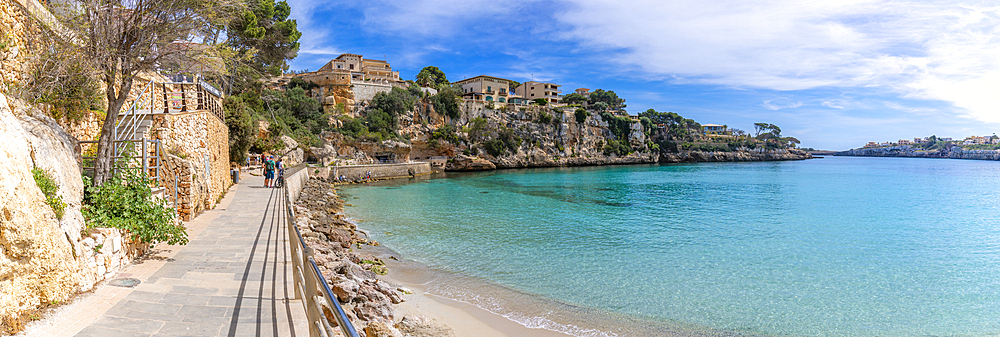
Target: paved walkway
[{"x": 233, "y": 279}]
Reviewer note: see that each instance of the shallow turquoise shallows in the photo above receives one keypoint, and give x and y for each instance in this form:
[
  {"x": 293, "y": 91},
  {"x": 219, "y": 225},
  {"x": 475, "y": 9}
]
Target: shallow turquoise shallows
[{"x": 835, "y": 246}]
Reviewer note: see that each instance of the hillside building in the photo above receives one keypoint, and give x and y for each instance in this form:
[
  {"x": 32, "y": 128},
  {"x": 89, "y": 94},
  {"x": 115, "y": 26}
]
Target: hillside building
[
  {"x": 487, "y": 88},
  {"x": 533, "y": 90}
]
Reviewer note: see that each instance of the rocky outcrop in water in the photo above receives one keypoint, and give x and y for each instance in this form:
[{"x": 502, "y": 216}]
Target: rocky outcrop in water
[
  {"x": 469, "y": 163},
  {"x": 735, "y": 156},
  {"x": 954, "y": 152}
]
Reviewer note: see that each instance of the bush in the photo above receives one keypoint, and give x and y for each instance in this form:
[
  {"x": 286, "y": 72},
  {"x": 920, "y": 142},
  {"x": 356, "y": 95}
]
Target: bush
[
  {"x": 49, "y": 188},
  {"x": 494, "y": 147},
  {"x": 446, "y": 132},
  {"x": 125, "y": 202},
  {"x": 544, "y": 118},
  {"x": 620, "y": 148},
  {"x": 581, "y": 115}
]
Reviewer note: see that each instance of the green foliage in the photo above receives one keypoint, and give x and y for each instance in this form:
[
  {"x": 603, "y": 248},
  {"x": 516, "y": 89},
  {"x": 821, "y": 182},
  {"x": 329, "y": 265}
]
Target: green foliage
[
  {"x": 600, "y": 106},
  {"x": 620, "y": 126},
  {"x": 294, "y": 113},
  {"x": 432, "y": 77},
  {"x": 396, "y": 102},
  {"x": 446, "y": 102},
  {"x": 607, "y": 97},
  {"x": 125, "y": 202},
  {"x": 581, "y": 115},
  {"x": 544, "y": 117},
  {"x": 242, "y": 127},
  {"x": 505, "y": 141},
  {"x": 574, "y": 98},
  {"x": 619, "y": 147},
  {"x": 477, "y": 128},
  {"x": 446, "y": 132},
  {"x": 264, "y": 36},
  {"x": 45, "y": 182},
  {"x": 705, "y": 147},
  {"x": 540, "y": 101}
]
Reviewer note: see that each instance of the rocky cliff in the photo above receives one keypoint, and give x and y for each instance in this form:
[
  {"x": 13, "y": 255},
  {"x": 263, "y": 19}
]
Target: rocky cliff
[
  {"x": 736, "y": 156},
  {"x": 909, "y": 151}
]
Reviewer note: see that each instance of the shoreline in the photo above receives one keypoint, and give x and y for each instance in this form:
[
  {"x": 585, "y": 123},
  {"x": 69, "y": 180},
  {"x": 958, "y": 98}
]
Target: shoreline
[{"x": 477, "y": 307}]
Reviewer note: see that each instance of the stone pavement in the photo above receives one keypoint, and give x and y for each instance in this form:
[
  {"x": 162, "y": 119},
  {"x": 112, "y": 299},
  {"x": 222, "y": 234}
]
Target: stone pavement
[{"x": 233, "y": 279}]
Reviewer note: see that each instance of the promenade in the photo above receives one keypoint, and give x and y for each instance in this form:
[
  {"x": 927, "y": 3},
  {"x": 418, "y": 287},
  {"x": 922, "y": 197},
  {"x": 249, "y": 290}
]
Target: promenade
[{"x": 233, "y": 279}]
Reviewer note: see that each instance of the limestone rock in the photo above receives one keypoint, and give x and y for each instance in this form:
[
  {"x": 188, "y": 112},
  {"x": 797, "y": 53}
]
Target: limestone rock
[
  {"x": 291, "y": 154},
  {"x": 381, "y": 329},
  {"x": 467, "y": 163},
  {"x": 421, "y": 326},
  {"x": 37, "y": 263}
]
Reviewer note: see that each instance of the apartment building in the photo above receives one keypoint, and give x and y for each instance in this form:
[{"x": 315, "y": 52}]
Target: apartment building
[{"x": 533, "y": 90}]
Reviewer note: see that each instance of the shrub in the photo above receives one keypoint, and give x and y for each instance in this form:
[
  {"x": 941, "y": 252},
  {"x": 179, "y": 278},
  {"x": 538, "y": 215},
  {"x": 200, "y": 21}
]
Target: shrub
[
  {"x": 581, "y": 115},
  {"x": 49, "y": 188},
  {"x": 125, "y": 202},
  {"x": 544, "y": 118},
  {"x": 494, "y": 147}
]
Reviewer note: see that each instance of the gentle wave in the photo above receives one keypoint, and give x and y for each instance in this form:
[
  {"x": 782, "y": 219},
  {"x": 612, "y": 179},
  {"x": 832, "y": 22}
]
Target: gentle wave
[{"x": 495, "y": 306}]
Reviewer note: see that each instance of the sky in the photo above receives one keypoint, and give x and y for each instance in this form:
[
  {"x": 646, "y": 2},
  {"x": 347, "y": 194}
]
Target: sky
[{"x": 834, "y": 74}]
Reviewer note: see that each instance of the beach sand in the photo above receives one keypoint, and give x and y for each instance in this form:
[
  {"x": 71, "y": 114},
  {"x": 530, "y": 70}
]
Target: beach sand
[{"x": 467, "y": 320}]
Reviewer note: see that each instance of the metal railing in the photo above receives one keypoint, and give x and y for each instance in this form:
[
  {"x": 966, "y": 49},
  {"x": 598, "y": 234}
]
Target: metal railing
[
  {"x": 190, "y": 96},
  {"x": 129, "y": 122},
  {"x": 310, "y": 285},
  {"x": 149, "y": 156}
]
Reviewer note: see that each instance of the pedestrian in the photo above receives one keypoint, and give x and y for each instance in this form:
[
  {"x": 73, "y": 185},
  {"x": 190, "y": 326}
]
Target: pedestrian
[
  {"x": 269, "y": 171},
  {"x": 281, "y": 173}
]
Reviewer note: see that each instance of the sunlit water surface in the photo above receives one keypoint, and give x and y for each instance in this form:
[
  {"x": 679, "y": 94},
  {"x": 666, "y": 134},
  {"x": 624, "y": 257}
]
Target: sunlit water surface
[{"x": 832, "y": 246}]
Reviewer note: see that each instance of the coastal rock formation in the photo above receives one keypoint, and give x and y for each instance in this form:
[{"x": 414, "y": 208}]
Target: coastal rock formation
[
  {"x": 291, "y": 154},
  {"x": 954, "y": 152},
  {"x": 737, "y": 156},
  {"x": 38, "y": 262},
  {"x": 468, "y": 163},
  {"x": 420, "y": 326},
  {"x": 352, "y": 277}
]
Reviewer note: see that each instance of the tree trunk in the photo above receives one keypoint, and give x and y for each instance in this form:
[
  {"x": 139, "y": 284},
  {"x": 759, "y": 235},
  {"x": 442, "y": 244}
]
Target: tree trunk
[{"x": 105, "y": 146}]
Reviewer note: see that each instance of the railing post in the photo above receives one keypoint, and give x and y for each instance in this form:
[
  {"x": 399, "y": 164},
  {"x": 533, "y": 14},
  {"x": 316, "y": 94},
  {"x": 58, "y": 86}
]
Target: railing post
[
  {"x": 166, "y": 103},
  {"x": 310, "y": 299},
  {"x": 184, "y": 106},
  {"x": 201, "y": 97},
  {"x": 145, "y": 159}
]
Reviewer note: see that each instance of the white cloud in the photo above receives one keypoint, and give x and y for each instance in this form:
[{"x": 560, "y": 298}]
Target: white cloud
[
  {"x": 919, "y": 49},
  {"x": 780, "y": 103}
]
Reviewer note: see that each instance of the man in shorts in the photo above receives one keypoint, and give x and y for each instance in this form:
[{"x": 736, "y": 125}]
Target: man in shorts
[{"x": 269, "y": 171}]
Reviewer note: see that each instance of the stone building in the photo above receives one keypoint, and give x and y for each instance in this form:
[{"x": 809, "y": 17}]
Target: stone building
[
  {"x": 486, "y": 88},
  {"x": 532, "y": 90},
  {"x": 350, "y": 79}
]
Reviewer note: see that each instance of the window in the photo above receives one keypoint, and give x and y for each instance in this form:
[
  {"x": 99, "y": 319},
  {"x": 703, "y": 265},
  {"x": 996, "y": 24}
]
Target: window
[
  {"x": 502, "y": 100},
  {"x": 352, "y": 67},
  {"x": 489, "y": 88},
  {"x": 489, "y": 98},
  {"x": 532, "y": 94}
]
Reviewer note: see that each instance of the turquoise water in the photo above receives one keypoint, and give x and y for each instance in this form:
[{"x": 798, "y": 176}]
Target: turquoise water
[{"x": 834, "y": 246}]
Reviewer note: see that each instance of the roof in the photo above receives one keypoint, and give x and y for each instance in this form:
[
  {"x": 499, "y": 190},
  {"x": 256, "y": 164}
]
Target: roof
[
  {"x": 346, "y": 54},
  {"x": 483, "y": 77},
  {"x": 711, "y": 125}
]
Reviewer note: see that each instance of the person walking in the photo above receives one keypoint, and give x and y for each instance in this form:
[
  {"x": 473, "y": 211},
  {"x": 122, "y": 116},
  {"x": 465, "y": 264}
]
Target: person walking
[
  {"x": 269, "y": 171},
  {"x": 280, "y": 167}
]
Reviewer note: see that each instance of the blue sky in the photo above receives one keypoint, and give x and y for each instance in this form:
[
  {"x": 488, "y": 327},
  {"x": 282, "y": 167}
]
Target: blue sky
[{"x": 834, "y": 74}]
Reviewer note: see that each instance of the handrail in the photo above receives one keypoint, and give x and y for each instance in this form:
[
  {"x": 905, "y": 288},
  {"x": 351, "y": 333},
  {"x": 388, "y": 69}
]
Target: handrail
[{"x": 306, "y": 281}]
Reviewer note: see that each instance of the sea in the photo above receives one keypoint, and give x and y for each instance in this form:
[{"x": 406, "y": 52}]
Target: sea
[{"x": 837, "y": 246}]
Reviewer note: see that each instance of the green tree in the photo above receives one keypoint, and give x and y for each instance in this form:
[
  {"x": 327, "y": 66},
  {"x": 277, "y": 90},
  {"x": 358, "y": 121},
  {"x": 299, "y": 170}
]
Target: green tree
[
  {"x": 581, "y": 115},
  {"x": 241, "y": 124},
  {"x": 574, "y": 98},
  {"x": 261, "y": 38},
  {"x": 431, "y": 76},
  {"x": 608, "y": 97},
  {"x": 541, "y": 101}
]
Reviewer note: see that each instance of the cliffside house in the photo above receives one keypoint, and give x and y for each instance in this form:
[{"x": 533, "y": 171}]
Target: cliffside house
[
  {"x": 871, "y": 144},
  {"x": 347, "y": 69},
  {"x": 715, "y": 129},
  {"x": 532, "y": 90},
  {"x": 486, "y": 88},
  {"x": 904, "y": 142}
]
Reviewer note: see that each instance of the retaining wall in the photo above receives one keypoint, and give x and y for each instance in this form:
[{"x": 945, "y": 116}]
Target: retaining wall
[
  {"x": 378, "y": 171},
  {"x": 296, "y": 180}
]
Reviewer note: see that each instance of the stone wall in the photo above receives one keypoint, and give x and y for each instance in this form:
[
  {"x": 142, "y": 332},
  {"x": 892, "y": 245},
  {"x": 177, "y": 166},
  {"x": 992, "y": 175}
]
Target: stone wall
[
  {"x": 367, "y": 91},
  {"x": 197, "y": 155},
  {"x": 16, "y": 30},
  {"x": 383, "y": 171}
]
